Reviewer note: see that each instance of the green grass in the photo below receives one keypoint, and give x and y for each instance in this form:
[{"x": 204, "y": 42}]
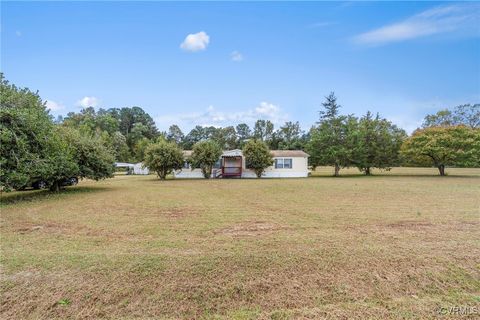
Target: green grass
[{"x": 397, "y": 245}]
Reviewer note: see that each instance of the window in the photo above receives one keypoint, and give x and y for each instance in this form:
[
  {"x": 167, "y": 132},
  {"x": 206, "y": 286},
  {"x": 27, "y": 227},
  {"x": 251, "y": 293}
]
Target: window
[{"x": 283, "y": 163}]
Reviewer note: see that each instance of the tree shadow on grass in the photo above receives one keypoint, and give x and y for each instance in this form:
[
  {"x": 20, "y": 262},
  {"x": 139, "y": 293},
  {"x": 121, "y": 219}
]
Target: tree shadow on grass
[{"x": 11, "y": 198}]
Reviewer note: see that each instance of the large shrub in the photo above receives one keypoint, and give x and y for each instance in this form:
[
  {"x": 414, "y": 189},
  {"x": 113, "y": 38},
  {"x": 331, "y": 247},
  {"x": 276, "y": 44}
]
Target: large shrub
[
  {"x": 33, "y": 148},
  {"x": 30, "y": 148},
  {"x": 205, "y": 155},
  {"x": 257, "y": 156},
  {"x": 163, "y": 157},
  {"x": 95, "y": 161}
]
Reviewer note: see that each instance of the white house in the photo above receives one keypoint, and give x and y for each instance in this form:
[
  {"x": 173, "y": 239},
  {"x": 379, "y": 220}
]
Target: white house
[
  {"x": 133, "y": 168},
  {"x": 138, "y": 168},
  {"x": 231, "y": 164}
]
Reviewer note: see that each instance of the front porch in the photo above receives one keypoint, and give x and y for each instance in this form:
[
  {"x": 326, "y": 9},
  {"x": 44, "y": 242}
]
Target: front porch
[{"x": 231, "y": 166}]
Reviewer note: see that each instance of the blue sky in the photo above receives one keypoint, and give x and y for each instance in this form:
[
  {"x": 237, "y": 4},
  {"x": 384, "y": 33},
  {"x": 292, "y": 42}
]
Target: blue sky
[{"x": 221, "y": 63}]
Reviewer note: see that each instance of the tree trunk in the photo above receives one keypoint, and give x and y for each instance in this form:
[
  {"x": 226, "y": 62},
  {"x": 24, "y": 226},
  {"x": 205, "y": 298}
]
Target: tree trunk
[
  {"x": 207, "y": 172},
  {"x": 55, "y": 187},
  {"x": 337, "y": 170},
  {"x": 367, "y": 171},
  {"x": 161, "y": 174},
  {"x": 441, "y": 169}
]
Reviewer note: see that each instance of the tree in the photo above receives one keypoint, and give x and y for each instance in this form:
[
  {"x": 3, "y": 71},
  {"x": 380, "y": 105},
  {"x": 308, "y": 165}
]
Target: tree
[
  {"x": 290, "y": 136},
  {"x": 163, "y": 157},
  {"x": 257, "y": 156},
  {"x": 379, "y": 143},
  {"x": 133, "y": 124},
  {"x": 137, "y": 133},
  {"x": 230, "y": 138},
  {"x": 195, "y": 135},
  {"x": 263, "y": 130},
  {"x": 95, "y": 161},
  {"x": 120, "y": 147},
  {"x": 107, "y": 123},
  {"x": 140, "y": 148},
  {"x": 175, "y": 134},
  {"x": 128, "y": 117},
  {"x": 243, "y": 133},
  {"x": 225, "y": 137},
  {"x": 466, "y": 114},
  {"x": 30, "y": 149},
  {"x": 443, "y": 118},
  {"x": 332, "y": 142},
  {"x": 205, "y": 154},
  {"x": 34, "y": 149},
  {"x": 332, "y": 109},
  {"x": 443, "y": 146}
]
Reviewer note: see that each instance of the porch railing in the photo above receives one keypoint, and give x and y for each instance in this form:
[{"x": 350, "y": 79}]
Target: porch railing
[
  {"x": 231, "y": 171},
  {"x": 216, "y": 173}
]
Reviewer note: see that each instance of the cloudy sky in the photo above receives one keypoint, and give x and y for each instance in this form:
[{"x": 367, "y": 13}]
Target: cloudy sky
[{"x": 223, "y": 63}]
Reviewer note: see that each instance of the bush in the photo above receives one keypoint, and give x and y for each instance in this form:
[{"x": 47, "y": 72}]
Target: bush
[
  {"x": 257, "y": 156},
  {"x": 205, "y": 155},
  {"x": 163, "y": 157}
]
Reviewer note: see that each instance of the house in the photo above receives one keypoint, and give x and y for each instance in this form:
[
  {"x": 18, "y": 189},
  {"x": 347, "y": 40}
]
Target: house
[
  {"x": 133, "y": 168},
  {"x": 138, "y": 168},
  {"x": 231, "y": 164}
]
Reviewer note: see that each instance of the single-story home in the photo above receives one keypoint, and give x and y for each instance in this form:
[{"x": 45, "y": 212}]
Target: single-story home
[
  {"x": 133, "y": 168},
  {"x": 231, "y": 164},
  {"x": 138, "y": 168}
]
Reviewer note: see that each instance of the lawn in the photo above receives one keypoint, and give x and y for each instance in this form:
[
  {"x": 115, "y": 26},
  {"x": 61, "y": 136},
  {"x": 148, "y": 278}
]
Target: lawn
[{"x": 395, "y": 246}]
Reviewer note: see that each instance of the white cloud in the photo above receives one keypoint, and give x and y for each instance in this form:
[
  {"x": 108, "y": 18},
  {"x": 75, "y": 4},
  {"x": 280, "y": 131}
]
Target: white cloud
[
  {"x": 236, "y": 56},
  {"x": 54, "y": 106},
  {"x": 18, "y": 33},
  {"x": 442, "y": 19},
  {"x": 86, "y": 102},
  {"x": 214, "y": 117},
  {"x": 267, "y": 109},
  {"x": 195, "y": 42}
]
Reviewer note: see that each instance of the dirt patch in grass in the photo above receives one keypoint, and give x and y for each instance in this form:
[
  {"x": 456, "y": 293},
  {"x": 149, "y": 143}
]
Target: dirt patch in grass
[
  {"x": 250, "y": 229},
  {"x": 67, "y": 230},
  {"x": 410, "y": 225}
]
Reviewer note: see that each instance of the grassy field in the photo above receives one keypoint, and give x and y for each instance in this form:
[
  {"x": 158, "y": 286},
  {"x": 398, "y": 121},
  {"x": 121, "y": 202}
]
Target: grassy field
[{"x": 392, "y": 246}]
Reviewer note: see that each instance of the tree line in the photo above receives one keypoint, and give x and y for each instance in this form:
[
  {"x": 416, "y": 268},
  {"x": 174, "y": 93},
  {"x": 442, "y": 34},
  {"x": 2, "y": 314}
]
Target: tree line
[
  {"x": 128, "y": 131},
  {"x": 447, "y": 138},
  {"x": 337, "y": 140},
  {"x": 85, "y": 144}
]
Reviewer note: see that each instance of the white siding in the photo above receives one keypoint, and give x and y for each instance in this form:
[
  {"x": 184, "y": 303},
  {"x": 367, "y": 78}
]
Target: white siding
[
  {"x": 189, "y": 174},
  {"x": 139, "y": 169},
  {"x": 299, "y": 170}
]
